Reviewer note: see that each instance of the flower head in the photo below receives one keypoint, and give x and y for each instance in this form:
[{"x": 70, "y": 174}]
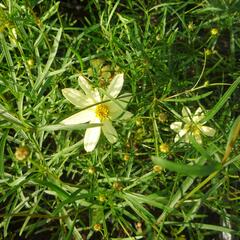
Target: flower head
[
  {"x": 21, "y": 153},
  {"x": 214, "y": 31},
  {"x": 191, "y": 126},
  {"x": 97, "y": 109}
]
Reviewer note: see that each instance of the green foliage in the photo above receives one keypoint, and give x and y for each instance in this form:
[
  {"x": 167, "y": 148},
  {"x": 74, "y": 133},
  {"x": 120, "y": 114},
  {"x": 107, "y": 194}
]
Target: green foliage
[{"x": 172, "y": 54}]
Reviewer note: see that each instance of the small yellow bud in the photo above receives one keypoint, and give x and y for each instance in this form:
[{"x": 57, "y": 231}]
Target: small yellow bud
[
  {"x": 21, "y": 153},
  {"x": 126, "y": 157},
  {"x": 97, "y": 227},
  {"x": 30, "y": 62},
  {"x": 214, "y": 31},
  {"x": 102, "y": 198},
  {"x": 91, "y": 170},
  {"x": 162, "y": 117},
  {"x": 157, "y": 169},
  {"x": 139, "y": 134},
  {"x": 208, "y": 52},
  {"x": 117, "y": 186},
  {"x": 164, "y": 148},
  {"x": 206, "y": 84},
  {"x": 139, "y": 122},
  {"x": 138, "y": 226},
  {"x": 190, "y": 26},
  {"x": 158, "y": 37},
  {"x": 181, "y": 237}
]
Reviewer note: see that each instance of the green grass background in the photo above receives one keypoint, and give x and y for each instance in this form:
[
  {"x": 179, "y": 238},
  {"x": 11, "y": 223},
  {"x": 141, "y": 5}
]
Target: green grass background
[{"x": 170, "y": 59}]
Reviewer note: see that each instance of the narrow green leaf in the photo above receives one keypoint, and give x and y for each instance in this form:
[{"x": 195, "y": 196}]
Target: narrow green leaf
[
  {"x": 151, "y": 201},
  {"x": 50, "y": 12},
  {"x": 9, "y": 60},
  {"x": 204, "y": 226},
  {"x": 78, "y": 195},
  {"x": 42, "y": 76},
  {"x": 2, "y": 145},
  {"x": 58, "y": 190},
  {"x": 138, "y": 208},
  {"x": 221, "y": 101},
  {"x": 199, "y": 148},
  {"x": 68, "y": 127},
  {"x": 234, "y": 133},
  {"x": 9, "y": 117},
  {"x": 129, "y": 238},
  {"x": 194, "y": 98},
  {"x": 188, "y": 170}
]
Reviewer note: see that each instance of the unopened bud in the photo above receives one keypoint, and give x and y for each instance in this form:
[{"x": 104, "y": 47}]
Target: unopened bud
[
  {"x": 117, "y": 186},
  {"x": 97, "y": 227},
  {"x": 162, "y": 117},
  {"x": 91, "y": 170},
  {"x": 214, "y": 31},
  {"x": 157, "y": 169},
  {"x": 164, "y": 148},
  {"x": 21, "y": 153}
]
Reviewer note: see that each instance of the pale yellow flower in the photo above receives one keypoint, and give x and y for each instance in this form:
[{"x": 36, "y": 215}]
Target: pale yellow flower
[
  {"x": 192, "y": 125},
  {"x": 98, "y": 109}
]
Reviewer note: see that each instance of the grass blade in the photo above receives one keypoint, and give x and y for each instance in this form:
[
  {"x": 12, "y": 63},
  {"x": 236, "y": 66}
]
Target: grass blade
[
  {"x": 2, "y": 145},
  {"x": 9, "y": 117},
  {"x": 187, "y": 170},
  {"x": 67, "y": 127},
  {"x": 42, "y": 76},
  {"x": 221, "y": 101}
]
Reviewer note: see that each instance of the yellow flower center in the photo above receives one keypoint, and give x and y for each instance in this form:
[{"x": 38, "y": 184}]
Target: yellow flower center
[
  {"x": 102, "y": 112},
  {"x": 193, "y": 128}
]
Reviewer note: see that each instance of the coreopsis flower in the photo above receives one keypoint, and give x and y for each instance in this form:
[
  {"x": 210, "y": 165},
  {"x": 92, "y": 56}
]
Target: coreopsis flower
[
  {"x": 192, "y": 125},
  {"x": 97, "y": 109}
]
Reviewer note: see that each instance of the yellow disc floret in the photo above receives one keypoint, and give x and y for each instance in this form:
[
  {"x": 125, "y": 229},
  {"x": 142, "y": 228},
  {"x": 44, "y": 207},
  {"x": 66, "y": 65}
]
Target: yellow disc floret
[{"x": 102, "y": 112}]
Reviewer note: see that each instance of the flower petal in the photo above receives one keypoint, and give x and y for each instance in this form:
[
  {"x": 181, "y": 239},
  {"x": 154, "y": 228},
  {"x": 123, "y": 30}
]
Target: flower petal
[
  {"x": 117, "y": 107},
  {"x": 176, "y": 126},
  {"x": 208, "y": 131},
  {"x": 116, "y": 85},
  {"x": 198, "y": 115},
  {"x": 95, "y": 96},
  {"x": 86, "y": 87},
  {"x": 91, "y": 137},
  {"x": 182, "y": 132},
  {"x": 80, "y": 117},
  {"x": 109, "y": 131},
  {"x": 187, "y": 114},
  {"x": 176, "y": 138},
  {"x": 199, "y": 111},
  {"x": 76, "y": 97},
  {"x": 126, "y": 115},
  {"x": 198, "y": 138},
  {"x": 187, "y": 137}
]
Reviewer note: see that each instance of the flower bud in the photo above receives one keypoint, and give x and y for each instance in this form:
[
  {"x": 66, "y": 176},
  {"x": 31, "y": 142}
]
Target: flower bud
[
  {"x": 91, "y": 170},
  {"x": 214, "y": 31},
  {"x": 117, "y": 186},
  {"x": 162, "y": 117},
  {"x": 190, "y": 26},
  {"x": 126, "y": 157},
  {"x": 30, "y": 62},
  {"x": 97, "y": 227},
  {"x": 102, "y": 198},
  {"x": 208, "y": 52},
  {"x": 164, "y": 148},
  {"x": 21, "y": 153},
  {"x": 157, "y": 169}
]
